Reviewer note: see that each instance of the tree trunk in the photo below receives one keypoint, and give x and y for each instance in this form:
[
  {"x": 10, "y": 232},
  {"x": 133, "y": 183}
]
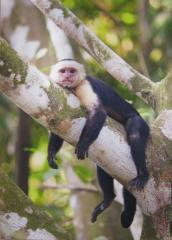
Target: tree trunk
[{"x": 22, "y": 150}]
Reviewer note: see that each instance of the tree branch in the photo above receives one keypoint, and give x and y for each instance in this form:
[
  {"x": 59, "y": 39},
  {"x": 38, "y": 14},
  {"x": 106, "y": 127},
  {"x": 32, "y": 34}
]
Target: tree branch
[
  {"x": 79, "y": 187},
  {"x": 20, "y": 219},
  {"x": 115, "y": 65},
  {"x": 163, "y": 94}
]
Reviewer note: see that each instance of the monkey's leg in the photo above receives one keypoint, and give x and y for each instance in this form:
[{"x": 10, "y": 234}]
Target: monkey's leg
[
  {"x": 54, "y": 145},
  {"x": 137, "y": 134},
  {"x": 129, "y": 210},
  {"x": 106, "y": 184}
]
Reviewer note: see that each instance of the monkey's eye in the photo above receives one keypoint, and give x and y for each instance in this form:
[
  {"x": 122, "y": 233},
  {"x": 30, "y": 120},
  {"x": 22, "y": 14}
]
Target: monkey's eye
[
  {"x": 72, "y": 70},
  {"x": 62, "y": 70}
]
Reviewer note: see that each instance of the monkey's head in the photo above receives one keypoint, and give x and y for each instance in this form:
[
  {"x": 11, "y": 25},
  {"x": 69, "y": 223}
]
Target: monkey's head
[{"x": 67, "y": 73}]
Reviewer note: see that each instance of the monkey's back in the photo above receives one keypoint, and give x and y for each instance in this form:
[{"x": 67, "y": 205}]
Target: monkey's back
[{"x": 114, "y": 104}]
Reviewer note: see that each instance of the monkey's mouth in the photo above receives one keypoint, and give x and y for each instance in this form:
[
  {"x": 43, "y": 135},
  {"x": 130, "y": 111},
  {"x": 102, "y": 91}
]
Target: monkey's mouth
[{"x": 66, "y": 82}]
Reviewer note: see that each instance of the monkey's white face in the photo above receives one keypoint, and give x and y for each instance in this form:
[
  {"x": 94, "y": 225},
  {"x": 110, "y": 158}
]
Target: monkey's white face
[
  {"x": 67, "y": 74},
  {"x": 67, "y": 77}
]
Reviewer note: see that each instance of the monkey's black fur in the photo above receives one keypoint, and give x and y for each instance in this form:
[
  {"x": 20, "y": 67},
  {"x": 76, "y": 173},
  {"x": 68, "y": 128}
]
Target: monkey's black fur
[{"x": 137, "y": 130}]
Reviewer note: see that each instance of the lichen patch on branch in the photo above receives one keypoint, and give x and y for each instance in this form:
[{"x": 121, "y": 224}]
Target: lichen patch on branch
[
  {"x": 13, "y": 222},
  {"x": 1, "y": 63},
  {"x": 29, "y": 210},
  {"x": 67, "y": 24},
  {"x": 167, "y": 127},
  {"x": 40, "y": 234},
  {"x": 31, "y": 95},
  {"x": 56, "y": 15}
]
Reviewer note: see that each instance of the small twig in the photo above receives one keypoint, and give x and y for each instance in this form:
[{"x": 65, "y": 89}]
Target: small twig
[
  {"x": 142, "y": 63},
  {"x": 88, "y": 187},
  {"x": 107, "y": 14}
]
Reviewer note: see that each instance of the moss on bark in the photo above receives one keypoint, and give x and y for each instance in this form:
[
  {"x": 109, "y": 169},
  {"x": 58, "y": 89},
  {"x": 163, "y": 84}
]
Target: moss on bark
[
  {"x": 12, "y": 199},
  {"x": 10, "y": 64}
]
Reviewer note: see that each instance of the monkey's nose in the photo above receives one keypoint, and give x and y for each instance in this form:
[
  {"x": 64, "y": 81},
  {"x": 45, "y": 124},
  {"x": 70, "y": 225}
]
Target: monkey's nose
[{"x": 69, "y": 76}]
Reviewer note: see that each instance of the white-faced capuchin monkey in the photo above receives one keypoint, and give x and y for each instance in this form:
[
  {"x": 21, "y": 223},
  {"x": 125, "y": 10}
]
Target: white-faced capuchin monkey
[{"x": 100, "y": 100}]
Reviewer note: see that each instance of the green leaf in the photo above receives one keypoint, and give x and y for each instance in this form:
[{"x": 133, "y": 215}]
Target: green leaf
[{"x": 128, "y": 18}]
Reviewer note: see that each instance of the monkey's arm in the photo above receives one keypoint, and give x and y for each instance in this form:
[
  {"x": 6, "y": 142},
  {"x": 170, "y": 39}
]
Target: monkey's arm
[
  {"x": 91, "y": 130},
  {"x": 54, "y": 145}
]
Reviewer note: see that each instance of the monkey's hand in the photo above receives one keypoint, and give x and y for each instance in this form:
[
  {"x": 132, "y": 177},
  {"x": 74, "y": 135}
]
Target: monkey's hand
[
  {"x": 51, "y": 161},
  {"x": 81, "y": 151}
]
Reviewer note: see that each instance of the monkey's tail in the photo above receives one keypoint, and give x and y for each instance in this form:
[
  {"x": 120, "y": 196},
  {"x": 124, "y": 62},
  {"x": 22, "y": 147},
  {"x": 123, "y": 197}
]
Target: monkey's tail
[{"x": 129, "y": 210}]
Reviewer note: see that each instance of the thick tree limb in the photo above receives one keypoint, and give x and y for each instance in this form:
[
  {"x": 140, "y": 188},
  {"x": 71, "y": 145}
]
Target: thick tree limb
[
  {"x": 115, "y": 65},
  {"x": 20, "y": 219}
]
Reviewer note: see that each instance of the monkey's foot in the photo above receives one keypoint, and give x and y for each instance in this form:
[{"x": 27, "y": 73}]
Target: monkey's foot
[
  {"x": 51, "y": 162},
  {"x": 138, "y": 182},
  {"x": 100, "y": 208},
  {"x": 126, "y": 219},
  {"x": 81, "y": 151}
]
